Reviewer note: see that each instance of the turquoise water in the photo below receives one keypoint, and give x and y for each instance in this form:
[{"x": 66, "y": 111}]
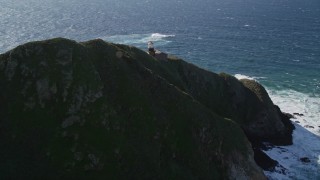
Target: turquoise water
[{"x": 276, "y": 42}]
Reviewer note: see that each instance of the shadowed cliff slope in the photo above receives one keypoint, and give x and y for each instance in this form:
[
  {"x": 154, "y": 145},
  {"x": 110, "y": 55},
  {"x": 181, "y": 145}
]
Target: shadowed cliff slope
[{"x": 101, "y": 110}]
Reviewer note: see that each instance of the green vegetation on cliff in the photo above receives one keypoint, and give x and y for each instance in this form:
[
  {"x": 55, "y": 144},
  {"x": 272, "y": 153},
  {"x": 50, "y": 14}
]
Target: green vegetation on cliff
[{"x": 100, "y": 110}]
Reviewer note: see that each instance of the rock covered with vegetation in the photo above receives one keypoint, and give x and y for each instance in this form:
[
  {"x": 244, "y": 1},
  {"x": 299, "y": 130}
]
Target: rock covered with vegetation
[{"x": 105, "y": 111}]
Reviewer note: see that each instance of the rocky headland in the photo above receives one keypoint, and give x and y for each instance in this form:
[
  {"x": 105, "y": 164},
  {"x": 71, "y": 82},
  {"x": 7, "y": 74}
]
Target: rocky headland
[{"x": 97, "y": 110}]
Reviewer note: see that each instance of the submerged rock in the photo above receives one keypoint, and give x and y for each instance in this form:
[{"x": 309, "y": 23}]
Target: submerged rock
[
  {"x": 101, "y": 110},
  {"x": 305, "y": 159},
  {"x": 309, "y": 126},
  {"x": 298, "y": 114}
]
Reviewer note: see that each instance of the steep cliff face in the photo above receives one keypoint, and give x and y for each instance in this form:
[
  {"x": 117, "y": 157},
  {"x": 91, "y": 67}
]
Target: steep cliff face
[
  {"x": 269, "y": 124},
  {"x": 246, "y": 101},
  {"x": 101, "y": 110}
]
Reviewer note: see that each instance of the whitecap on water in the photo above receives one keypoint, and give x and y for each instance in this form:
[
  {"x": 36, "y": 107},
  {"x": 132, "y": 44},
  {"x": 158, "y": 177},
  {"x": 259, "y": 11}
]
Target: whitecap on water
[
  {"x": 158, "y": 36},
  {"x": 241, "y": 76},
  {"x": 140, "y": 39}
]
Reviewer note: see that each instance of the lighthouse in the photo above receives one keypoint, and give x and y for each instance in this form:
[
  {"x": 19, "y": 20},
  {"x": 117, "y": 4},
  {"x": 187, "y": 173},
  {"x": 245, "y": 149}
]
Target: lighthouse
[{"x": 151, "y": 50}]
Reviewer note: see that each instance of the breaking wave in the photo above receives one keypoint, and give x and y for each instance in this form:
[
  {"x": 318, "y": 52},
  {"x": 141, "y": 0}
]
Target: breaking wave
[
  {"x": 241, "y": 76},
  {"x": 306, "y": 136},
  {"x": 140, "y": 40}
]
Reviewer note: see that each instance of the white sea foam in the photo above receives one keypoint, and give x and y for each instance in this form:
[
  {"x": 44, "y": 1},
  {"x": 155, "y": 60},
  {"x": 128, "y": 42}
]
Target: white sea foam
[
  {"x": 140, "y": 39},
  {"x": 241, "y": 76},
  {"x": 305, "y": 144},
  {"x": 306, "y": 136},
  {"x": 160, "y": 36},
  {"x": 291, "y": 101}
]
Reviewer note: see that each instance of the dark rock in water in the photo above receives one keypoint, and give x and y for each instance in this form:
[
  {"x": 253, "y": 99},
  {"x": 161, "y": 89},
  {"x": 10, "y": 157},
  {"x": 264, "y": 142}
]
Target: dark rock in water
[
  {"x": 288, "y": 115},
  {"x": 264, "y": 161},
  {"x": 280, "y": 169},
  {"x": 266, "y": 146},
  {"x": 297, "y": 122},
  {"x": 298, "y": 114},
  {"x": 305, "y": 160},
  {"x": 97, "y": 110},
  {"x": 308, "y": 126},
  {"x": 286, "y": 138}
]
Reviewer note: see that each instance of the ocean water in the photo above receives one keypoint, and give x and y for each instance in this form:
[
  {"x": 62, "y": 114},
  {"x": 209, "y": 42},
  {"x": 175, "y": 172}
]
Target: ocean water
[{"x": 275, "y": 42}]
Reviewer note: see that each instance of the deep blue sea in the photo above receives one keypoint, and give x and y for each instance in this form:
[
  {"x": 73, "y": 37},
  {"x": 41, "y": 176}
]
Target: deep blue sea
[{"x": 275, "y": 42}]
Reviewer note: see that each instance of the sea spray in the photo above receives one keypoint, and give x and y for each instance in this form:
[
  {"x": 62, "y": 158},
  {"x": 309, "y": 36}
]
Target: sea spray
[{"x": 306, "y": 136}]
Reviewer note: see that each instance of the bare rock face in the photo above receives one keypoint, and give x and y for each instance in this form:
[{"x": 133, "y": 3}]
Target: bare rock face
[
  {"x": 96, "y": 110},
  {"x": 245, "y": 102},
  {"x": 267, "y": 120},
  {"x": 237, "y": 165},
  {"x": 269, "y": 124}
]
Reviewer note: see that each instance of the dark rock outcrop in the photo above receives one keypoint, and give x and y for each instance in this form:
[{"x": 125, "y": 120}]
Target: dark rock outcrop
[
  {"x": 298, "y": 114},
  {"x": 245, "y": 102},
  {"x": 305, "y": 159},
  {"x": 264, "y": 161},
  {"x": 100, "y": 110}
]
